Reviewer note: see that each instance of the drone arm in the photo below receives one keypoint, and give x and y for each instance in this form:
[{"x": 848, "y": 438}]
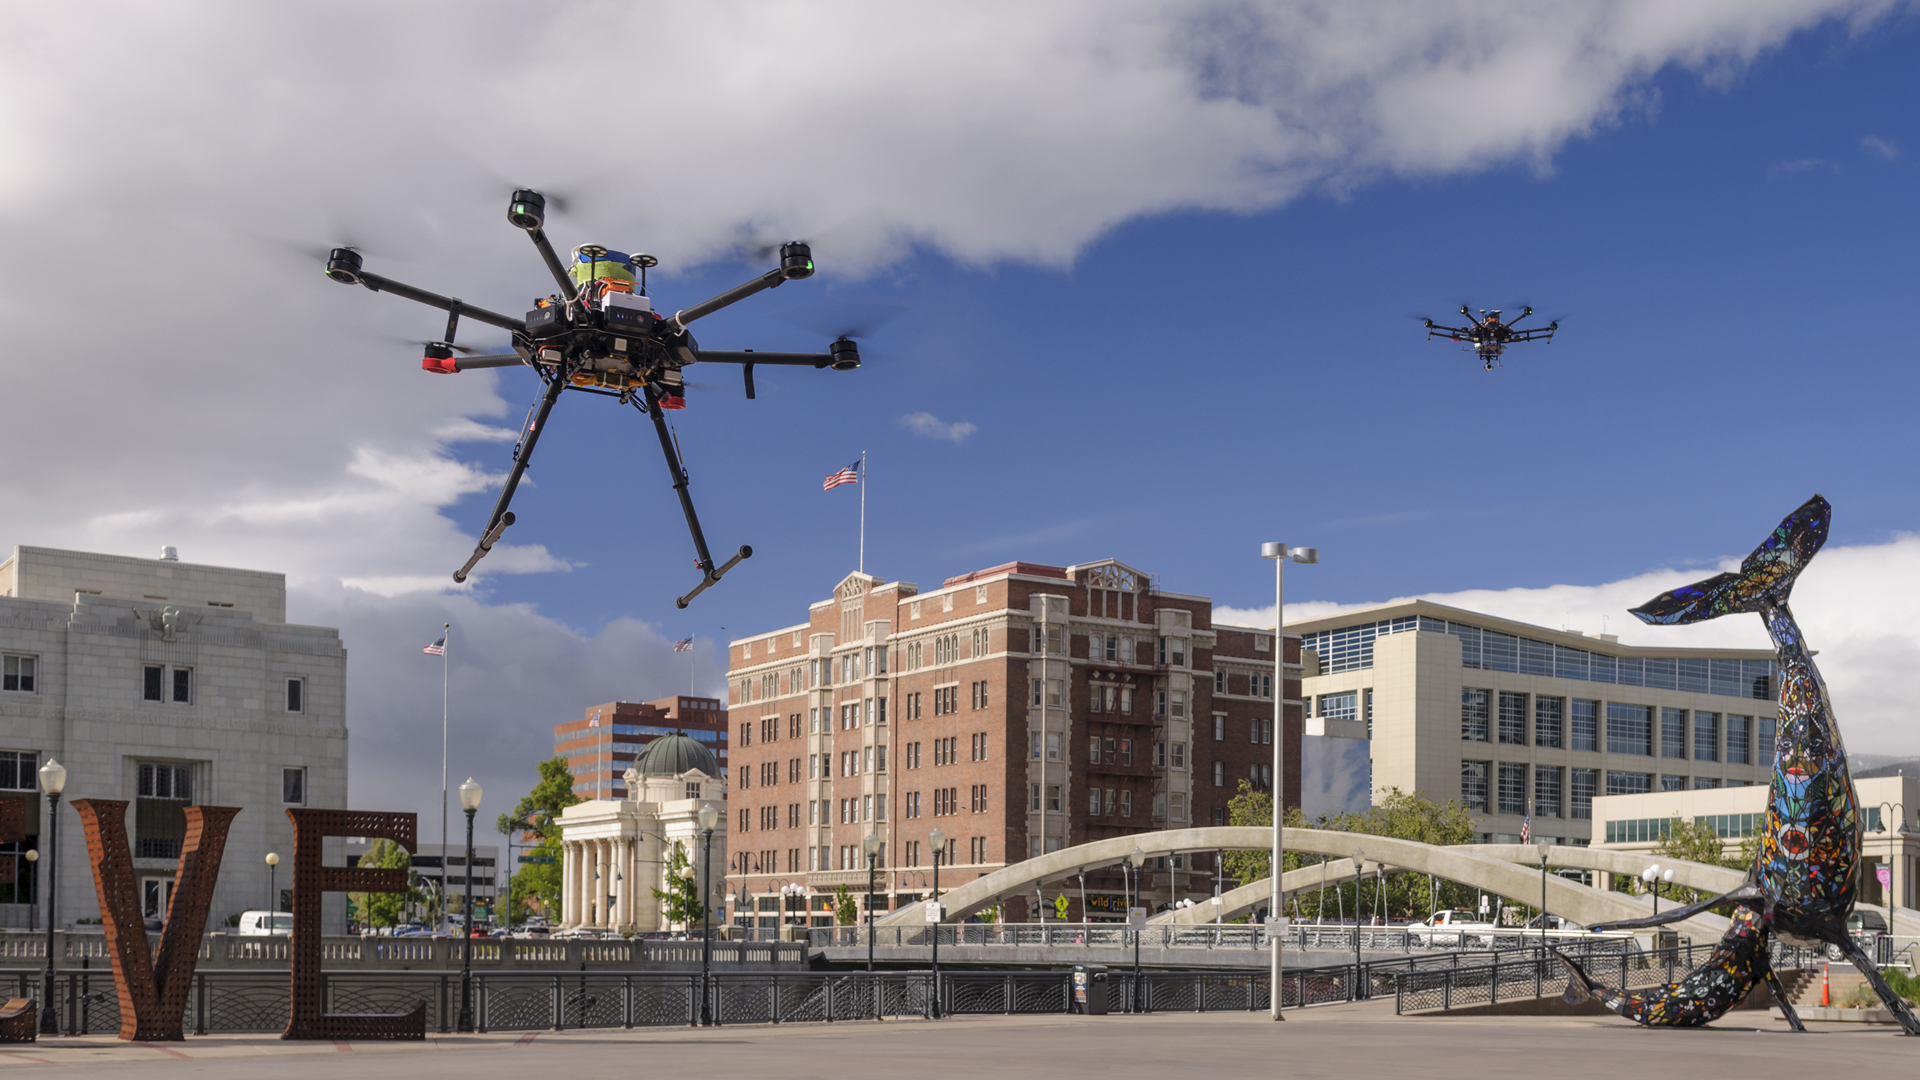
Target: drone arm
[
  {"x": 769, "y": 280},
  {"x": 444, "y": 303},
  {"x": 554, "y": 264},
  {"x": 794, "y": 359},
  {"x": 500, "y": 519},
  {"x": 465, "y": 363},
  {"x": 1435, "y": 328},
  {"x": 1535, "y": 333}
]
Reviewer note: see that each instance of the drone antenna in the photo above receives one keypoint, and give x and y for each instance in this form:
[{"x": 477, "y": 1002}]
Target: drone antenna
[{"x": 643, "y": 261}]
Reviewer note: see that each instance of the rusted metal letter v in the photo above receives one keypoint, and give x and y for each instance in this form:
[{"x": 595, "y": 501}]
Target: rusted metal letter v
[{"x": 153, "y": 986}]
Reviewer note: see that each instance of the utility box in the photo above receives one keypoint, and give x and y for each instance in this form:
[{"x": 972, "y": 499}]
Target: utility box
[{"x": 1090, "y": 989}]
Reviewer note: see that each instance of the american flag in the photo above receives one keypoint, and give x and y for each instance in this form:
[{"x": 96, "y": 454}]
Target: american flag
[
  {"x": 438, "y": 648},
  {"x": 685, "y": 644},
  {"x": 1526, "y": 829},
  {"x": 848, "y": 475}
]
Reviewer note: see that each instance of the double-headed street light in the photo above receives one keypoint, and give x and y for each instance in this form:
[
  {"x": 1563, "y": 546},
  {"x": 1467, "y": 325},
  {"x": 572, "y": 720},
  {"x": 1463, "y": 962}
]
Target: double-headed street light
[
  {"x": 1135, "y": 859},
  {"x": 1544, "y": 848},
  {"x": 870, "y": 844},
  {"x": 1359, "y": 869},
  {"x": 469, "y": 802},
  {"x": 1280, "y": 553},
  {"x": 1893, "y": 850},
  {"x": 709, "y": 820},
  {"x": 53, "y": 780},
  {"x": 938, "y": 841}
]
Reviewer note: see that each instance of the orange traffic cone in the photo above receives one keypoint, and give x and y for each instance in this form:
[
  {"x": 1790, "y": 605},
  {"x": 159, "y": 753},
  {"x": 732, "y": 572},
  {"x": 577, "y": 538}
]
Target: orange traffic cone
[{"x": 1826, "y": 997}]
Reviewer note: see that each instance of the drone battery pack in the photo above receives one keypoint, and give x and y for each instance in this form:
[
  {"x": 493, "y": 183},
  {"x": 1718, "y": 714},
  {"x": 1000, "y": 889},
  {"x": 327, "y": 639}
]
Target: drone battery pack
[{"x": 546, "y": 322}]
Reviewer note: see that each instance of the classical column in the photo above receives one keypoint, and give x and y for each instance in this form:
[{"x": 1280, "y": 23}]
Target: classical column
[{"x": 567, "y": 865}]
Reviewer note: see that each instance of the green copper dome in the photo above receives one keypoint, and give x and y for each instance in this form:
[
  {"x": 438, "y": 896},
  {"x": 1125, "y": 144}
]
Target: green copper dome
[{"x": 671, "y": 755}]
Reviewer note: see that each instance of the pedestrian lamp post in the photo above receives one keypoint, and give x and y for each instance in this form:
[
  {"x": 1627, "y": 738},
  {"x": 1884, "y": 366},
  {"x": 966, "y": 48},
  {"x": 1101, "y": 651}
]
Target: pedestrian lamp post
[
  {"x": 1894, "y": 850},
  {"x": 1651, "y": 875},
  {"x": 870, "y": 844},
  {"x": 937, "y": 840},
  {"x": 1543, "y": 848},
  {"x": 273, "y": 888},
  {"x": 1359, "y": 869},
  {"x": 1280, "y": 554},
  {"x": 709, "y": 820},
  {"x": 1135, "y": 859},
  {"x": 53, "y": 780},
  {"x": 469, "y": 802}
]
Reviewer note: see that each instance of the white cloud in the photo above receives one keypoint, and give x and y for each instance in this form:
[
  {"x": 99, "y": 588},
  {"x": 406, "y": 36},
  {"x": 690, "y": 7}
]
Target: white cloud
[
  {"x": 931, "y": 426},
  {"x": 1856, "y": 603},
  {"x": 1884, "y": 147}
]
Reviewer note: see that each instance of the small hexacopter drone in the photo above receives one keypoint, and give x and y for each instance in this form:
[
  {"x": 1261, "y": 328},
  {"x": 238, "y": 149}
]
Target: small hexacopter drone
[
  {"x": 1490, "y": 337},
  {"x": 600, "y": 335}
]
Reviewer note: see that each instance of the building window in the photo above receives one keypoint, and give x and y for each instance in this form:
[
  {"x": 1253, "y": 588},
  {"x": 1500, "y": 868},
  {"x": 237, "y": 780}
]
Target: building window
[
  {"x": 19, "y": 673},
  {"x": 1473, "y": 784},
  {"x": 1739, "y": 748},
  {"x": 19, "y": 770},
  {"x": 1673, "y": 783},
  {"x": 1180, "y": 755},
  {"x": 1763, "y": 751},
  {"x": 1546, "y": 791},
  {"x": 153, "y": 683},
  {"x": 1053, "y": 746},
  {"x": 1126, "y": 803},
  {"x": 1473, "y": 719},
  {"x": 1673, "y": 733},
  {"x": 1548, "y": 718},
  {"x": 1628, "y": 783},
  {"x": 1260, "y": 686},
  {"x": 1178, "y": 806},
  {"x": 1340, "y": 706},
  {"x": 161, "y": 821},
  {"x": 1513, "y": 718},
  {"x": 1706, "y": 736},
  {"x": 1580, "y": 788},
  {"x": 1584, "y": 727},
  {"x": 1513, "y": 788},
  {"x": 293, "y": 787},
  {"x": 1179, "y": 704},
  {"x": 1629, "y": 729},
  {"x": 1219, "y": 774},
  {"x": 1219, "y": 682},
  {"x": 1219, "y": 727},
  {"x": 296, "y": 695}
]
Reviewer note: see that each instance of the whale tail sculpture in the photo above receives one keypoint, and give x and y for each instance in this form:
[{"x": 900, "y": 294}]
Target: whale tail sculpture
[
  {"x": 1764, "y": 579},
  {"x": 1800, "y": 888}
]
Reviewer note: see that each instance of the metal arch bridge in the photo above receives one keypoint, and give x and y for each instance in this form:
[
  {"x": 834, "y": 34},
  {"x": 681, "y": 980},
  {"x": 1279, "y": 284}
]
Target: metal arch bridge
[{"x": 1503, "y": 869}]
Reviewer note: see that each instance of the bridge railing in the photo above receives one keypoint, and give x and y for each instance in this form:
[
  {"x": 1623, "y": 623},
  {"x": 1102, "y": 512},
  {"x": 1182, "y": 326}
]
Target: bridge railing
[
  {"x": 1249, "y": 936},
  {"x": 1486, "y": 981},
  {"x": 271, "y": 952}
]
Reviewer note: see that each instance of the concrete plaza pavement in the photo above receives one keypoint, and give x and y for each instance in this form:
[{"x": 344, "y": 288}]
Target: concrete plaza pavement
[{"x": 1350, "y": 1040}]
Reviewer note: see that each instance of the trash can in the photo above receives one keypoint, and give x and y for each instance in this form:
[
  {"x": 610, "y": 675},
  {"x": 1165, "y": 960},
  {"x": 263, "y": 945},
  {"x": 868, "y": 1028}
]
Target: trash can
[{"x": 1090, "y": 989}]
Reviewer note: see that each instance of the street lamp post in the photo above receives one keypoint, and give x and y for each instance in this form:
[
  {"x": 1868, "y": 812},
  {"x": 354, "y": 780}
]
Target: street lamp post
[
  {"x": 470, "y": 802},
  {"x": 273, "y": 889},
  {"x": 1135, "y": 859},
  {"x": 1543, "y": 847},
  {"x": 709, "y": 820},
  {"x": 870, "y": 844},
  {"x": 1359, "y": 869},
  {"x": 1279, "y": 553},
  {"x": 53, "y": 780},
  {"x": 938, "y": 841},
  {"x": 1651, "y": 875}
]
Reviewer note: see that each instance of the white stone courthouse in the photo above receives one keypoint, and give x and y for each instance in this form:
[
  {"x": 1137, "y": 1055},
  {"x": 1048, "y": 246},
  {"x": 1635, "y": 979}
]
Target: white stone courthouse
[
  {"x": 616, "y": 852},
  {"x": 165, "y": 684}
]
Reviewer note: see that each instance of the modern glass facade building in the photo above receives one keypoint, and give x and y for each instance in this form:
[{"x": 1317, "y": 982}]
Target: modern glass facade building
[{"x": 1517, "y": 720}]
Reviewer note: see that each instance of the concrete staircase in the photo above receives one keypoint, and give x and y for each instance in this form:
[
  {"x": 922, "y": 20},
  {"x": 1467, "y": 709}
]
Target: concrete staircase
[{"x": 1803, "y": 984}]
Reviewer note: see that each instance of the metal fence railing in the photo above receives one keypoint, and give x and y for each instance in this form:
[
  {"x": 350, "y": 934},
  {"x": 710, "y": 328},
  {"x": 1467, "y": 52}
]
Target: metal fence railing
[
  {"x": 1507, "y": 978},
  {"x": 1193, "y": 936},
  {"x": 271, "y": 952}
]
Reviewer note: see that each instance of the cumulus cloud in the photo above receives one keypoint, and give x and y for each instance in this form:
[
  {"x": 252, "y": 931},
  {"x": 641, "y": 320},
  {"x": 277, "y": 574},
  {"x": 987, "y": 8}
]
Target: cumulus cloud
[
  {"x": 931, "y": 426},
  {"x": 1883, "y": 147},
  {"x": 1854, "y": 601}
]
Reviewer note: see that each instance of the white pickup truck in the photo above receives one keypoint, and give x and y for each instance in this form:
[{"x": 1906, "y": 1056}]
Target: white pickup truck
[{"x": 1454, "y": 927}]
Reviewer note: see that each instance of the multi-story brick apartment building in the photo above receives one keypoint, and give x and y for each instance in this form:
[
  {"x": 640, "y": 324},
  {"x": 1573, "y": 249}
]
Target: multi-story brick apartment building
[
  {"x": 599, "y": 747},
  {"x": 1019, "y": 708}
]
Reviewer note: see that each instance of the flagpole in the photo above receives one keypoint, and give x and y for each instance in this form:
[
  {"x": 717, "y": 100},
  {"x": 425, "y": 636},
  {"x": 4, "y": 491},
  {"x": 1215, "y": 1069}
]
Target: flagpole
[
  {"x": 863, "y": 511},
  {"x": 446, "y": 646}
]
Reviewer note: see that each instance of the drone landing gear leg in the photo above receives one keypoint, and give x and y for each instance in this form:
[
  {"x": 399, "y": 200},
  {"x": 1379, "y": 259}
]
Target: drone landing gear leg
[
  {"x": 502, "y": 518},
  {"x": 709, "y": 576}
]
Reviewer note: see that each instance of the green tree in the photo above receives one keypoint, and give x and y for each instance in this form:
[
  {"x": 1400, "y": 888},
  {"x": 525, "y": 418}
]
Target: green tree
[
  {"x": 845, "y": 912},
  {"x": 680, "y": 900},
  {"x": 1697, "y": 842},
  {"x": 385, "y": 908},
  {"x": 539, "y": 813}
]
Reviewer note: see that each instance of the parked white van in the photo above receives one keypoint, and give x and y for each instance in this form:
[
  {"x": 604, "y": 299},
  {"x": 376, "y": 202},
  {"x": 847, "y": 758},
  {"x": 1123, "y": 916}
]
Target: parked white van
[{"x": 264, "y": 923}]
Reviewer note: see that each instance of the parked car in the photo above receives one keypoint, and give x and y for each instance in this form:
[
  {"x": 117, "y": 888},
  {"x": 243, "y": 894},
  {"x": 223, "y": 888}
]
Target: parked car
[
  {"x": 1865, "y": 926},
  {"x": 264, "y": 923}
]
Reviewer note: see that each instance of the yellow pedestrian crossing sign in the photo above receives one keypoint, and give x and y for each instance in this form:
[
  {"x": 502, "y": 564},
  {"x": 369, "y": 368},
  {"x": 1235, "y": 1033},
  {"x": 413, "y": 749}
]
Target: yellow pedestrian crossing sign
[{"x": 1060, "y": 905}]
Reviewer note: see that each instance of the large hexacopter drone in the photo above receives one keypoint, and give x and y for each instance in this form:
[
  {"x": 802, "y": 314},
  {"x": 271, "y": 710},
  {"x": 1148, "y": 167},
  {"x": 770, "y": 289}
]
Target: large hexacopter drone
[
  {"x": 599, "y": 334},
  {"x": 1488, "y": 336}
]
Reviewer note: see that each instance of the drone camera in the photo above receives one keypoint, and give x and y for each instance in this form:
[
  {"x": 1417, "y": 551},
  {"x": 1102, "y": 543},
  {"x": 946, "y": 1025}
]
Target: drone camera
[
  {"x": 528, "y": 210},
  {"x": 343, "y": 266},
  {"x": 845, "y": 353},
  {"x": 796, "y": 261}
]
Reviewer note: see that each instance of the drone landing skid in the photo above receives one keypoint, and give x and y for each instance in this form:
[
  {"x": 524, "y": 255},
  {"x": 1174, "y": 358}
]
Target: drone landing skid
[{"x": 713, "y": 577}]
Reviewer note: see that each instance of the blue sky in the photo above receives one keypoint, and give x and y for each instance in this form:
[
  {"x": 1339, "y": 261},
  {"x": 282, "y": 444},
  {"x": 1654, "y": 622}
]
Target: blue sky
[{"x": 1162, "y": 259}]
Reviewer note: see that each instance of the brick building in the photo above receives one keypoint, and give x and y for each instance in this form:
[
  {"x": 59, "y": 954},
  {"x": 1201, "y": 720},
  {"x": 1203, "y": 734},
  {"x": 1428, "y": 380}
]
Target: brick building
[
  {"x": 1018, "y": 709},
  {"x": 600, "y": 746}
]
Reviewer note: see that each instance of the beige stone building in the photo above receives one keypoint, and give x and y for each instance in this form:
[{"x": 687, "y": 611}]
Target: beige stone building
[
  {"x": 616, "y": 852},
  {"x": 1515, "y": 719},
  {"x": 1889, "y": 838}
]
